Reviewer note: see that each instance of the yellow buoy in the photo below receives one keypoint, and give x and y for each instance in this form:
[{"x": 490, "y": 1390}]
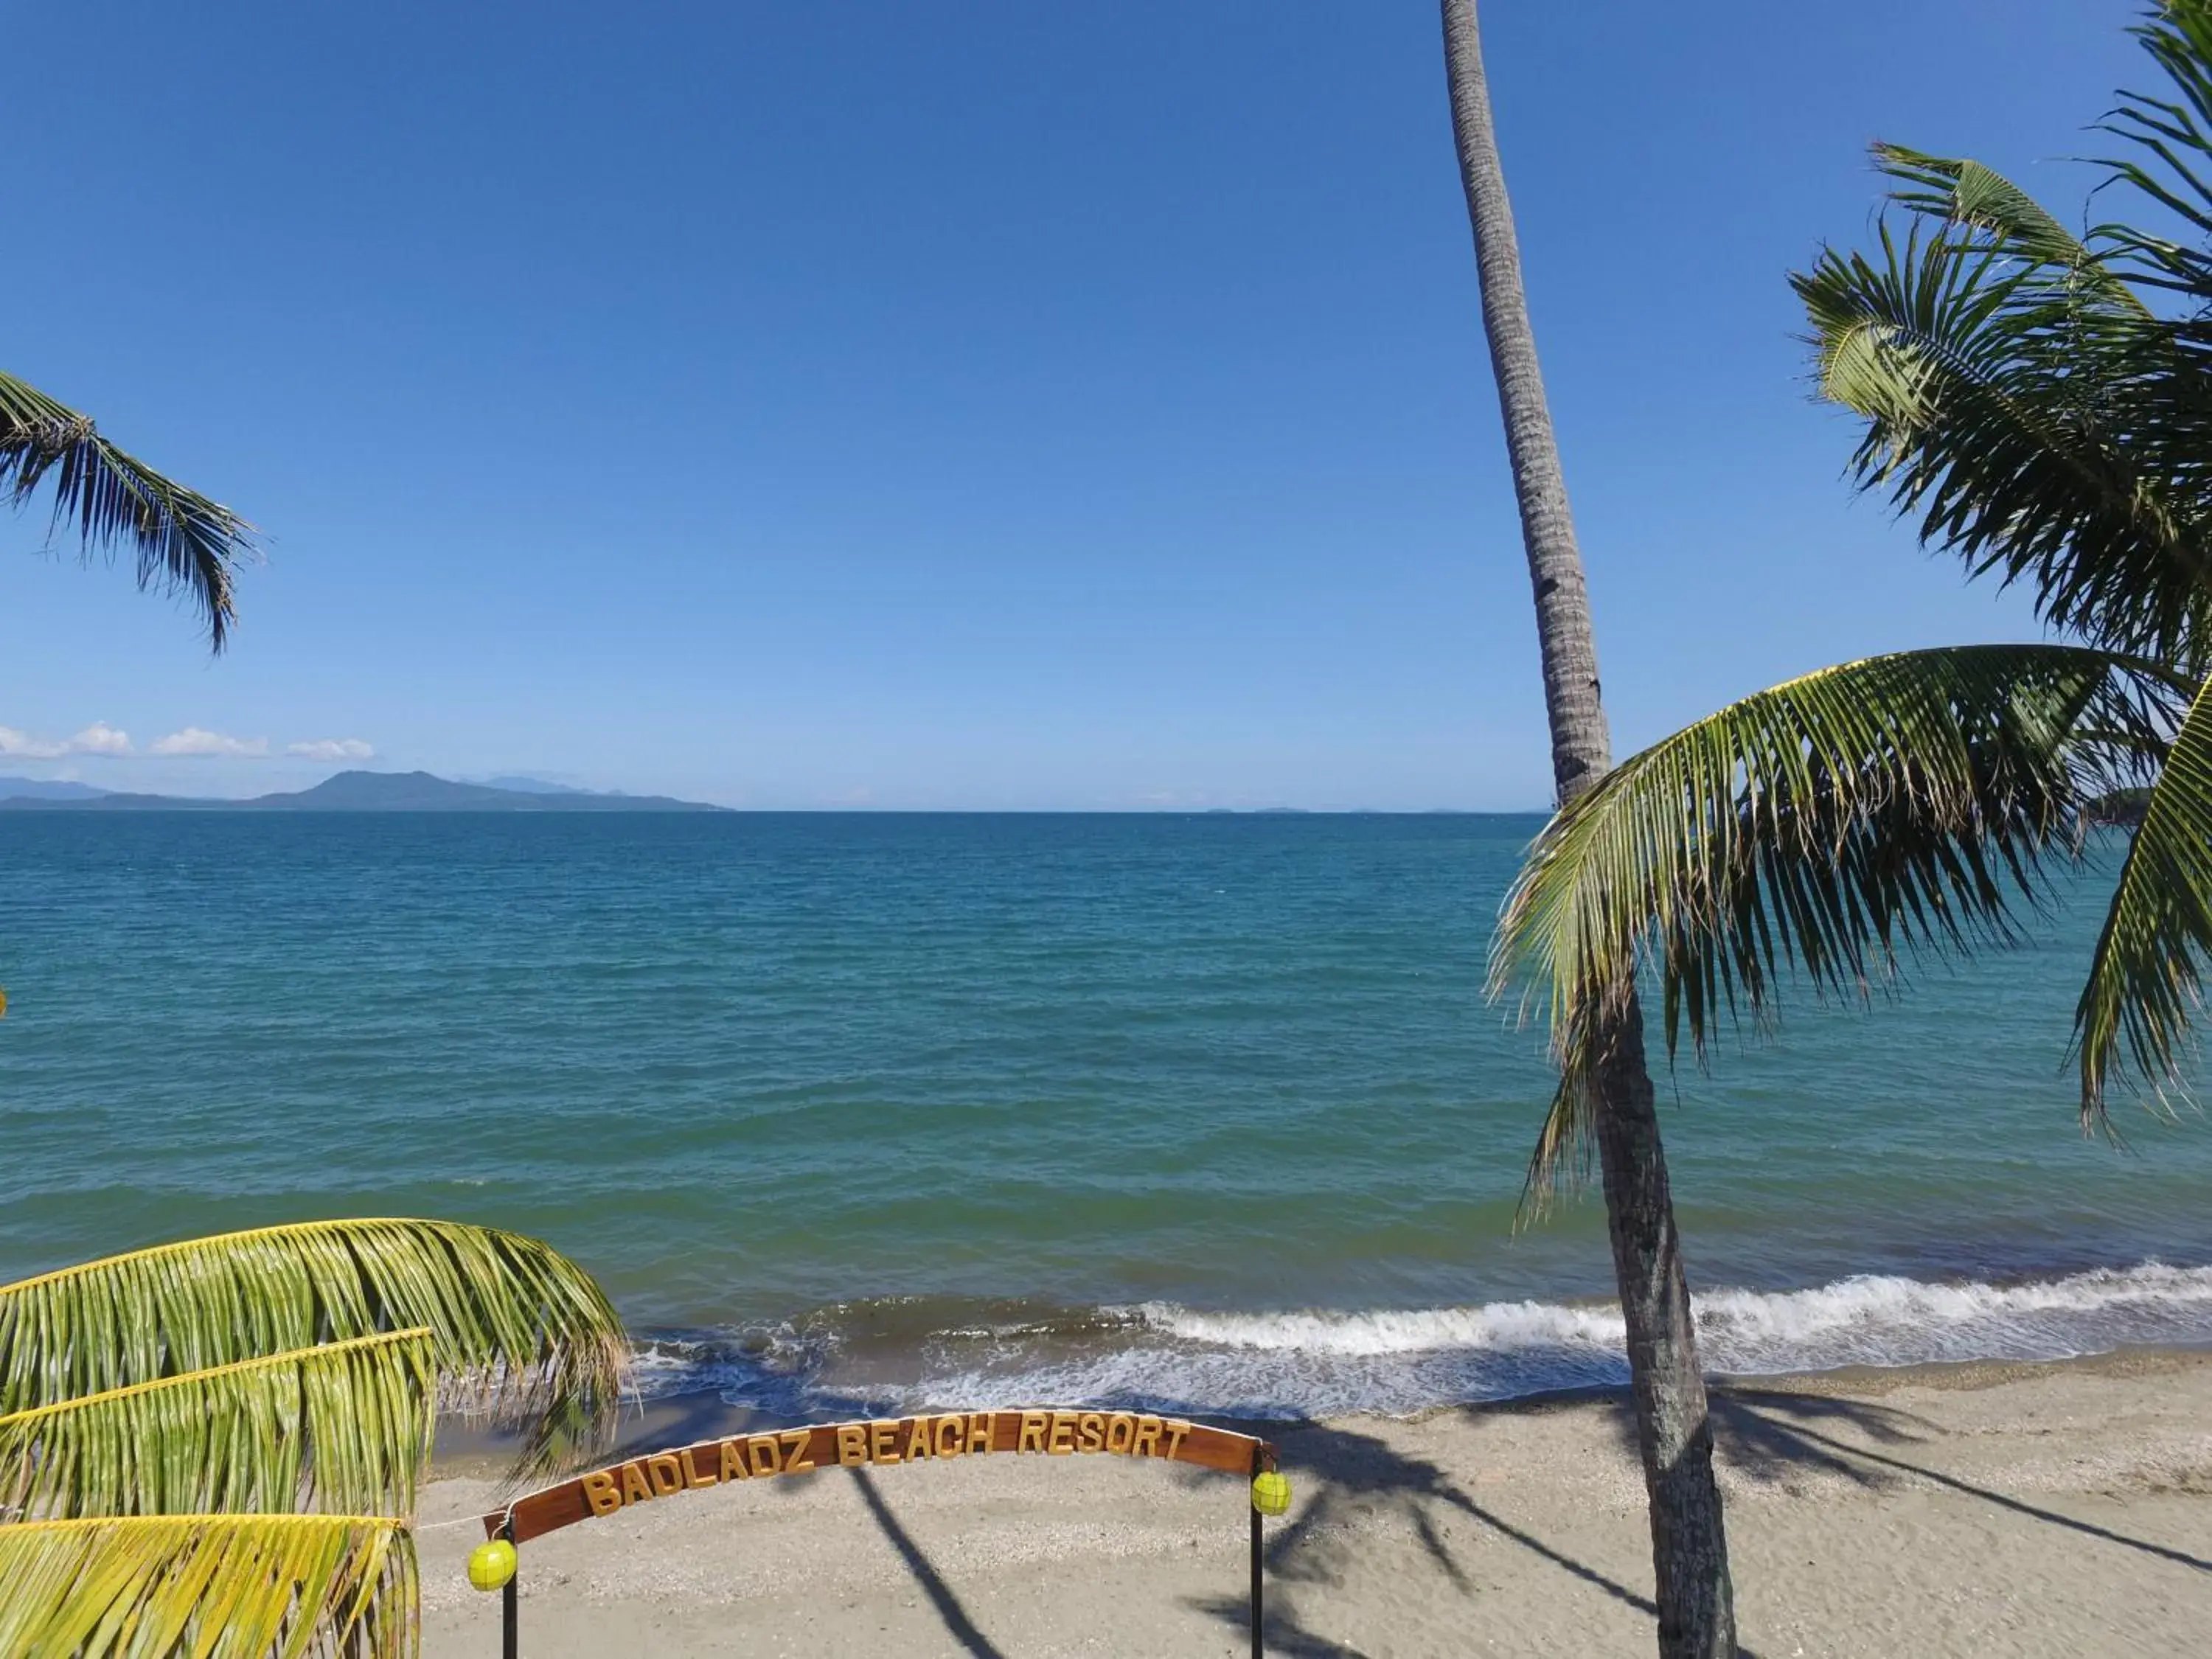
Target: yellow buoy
[
  {"x": 1271, "y": 1493},
  {"x": 491, "y": 1565}
]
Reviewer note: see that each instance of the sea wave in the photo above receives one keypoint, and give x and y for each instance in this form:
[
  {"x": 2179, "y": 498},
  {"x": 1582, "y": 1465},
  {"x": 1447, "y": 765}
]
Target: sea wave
[{"x": 1322, "y": 1362}]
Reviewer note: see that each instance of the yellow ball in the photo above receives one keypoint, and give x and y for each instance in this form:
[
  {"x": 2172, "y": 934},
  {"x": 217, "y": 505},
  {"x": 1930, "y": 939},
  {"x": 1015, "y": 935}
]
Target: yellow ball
[
  {"x": 491, "y": 1565},
  {"x": 1271, "y": 1493}
]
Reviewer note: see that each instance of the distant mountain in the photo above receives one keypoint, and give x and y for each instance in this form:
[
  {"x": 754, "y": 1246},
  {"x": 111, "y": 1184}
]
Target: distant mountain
[
  {"x": 46, "y": 789},
  {"x": 372, "y": 791},
  {"x": 539, "y": 786}
]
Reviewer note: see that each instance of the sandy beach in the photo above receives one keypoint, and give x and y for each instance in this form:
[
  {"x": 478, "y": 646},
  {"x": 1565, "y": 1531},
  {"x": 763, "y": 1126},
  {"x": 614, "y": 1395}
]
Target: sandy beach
[{"x": 2058, "y": 1510}]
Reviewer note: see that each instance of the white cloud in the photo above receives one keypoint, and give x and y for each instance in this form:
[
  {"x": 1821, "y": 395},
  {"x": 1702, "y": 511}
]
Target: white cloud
[
  {"x": 24, "y": 746},
  {"x": 100, "y": 739},
  {"x": 331, "y": 749},
  {"x": 192, "y": 740}
]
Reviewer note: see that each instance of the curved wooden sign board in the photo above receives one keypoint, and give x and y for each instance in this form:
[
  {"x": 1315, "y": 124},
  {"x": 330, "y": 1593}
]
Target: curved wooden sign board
[{"x": 933, "y": 1438}]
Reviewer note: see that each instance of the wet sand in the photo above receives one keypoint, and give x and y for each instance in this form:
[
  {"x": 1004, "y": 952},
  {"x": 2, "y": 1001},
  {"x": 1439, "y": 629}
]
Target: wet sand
[{"x": 2017, "y": 1510}]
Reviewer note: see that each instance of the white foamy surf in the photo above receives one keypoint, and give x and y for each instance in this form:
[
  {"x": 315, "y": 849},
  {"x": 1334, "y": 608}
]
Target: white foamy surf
[{"x": 1319, "y": 1361}]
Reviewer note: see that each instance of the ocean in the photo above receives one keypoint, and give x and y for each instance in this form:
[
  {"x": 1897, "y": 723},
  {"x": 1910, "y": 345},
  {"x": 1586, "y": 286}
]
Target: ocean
[{"x": 878, "y": 1111}]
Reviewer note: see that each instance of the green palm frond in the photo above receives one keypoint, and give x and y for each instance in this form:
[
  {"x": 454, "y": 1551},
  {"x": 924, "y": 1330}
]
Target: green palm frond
[
  {"x": 2043, "y": 402},
  {"x": 184, "y": 542},
  {"x": 1830, "y": 828},
  {"x": 524, "y": 1337},
  {"x": 1965, "y": 194},
  {"x": 343, "y": 1427},
  {"x": 2170, "y": 141},
  {"x": 2039, "y": 431},
  {"x": 2146, "y": 978},
  {"x": 215, "y": 1587}
]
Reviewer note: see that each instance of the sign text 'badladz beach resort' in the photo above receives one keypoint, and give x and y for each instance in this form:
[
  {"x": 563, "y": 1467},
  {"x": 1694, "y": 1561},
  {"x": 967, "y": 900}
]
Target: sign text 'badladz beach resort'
[{"x": 937, "y": 1437}]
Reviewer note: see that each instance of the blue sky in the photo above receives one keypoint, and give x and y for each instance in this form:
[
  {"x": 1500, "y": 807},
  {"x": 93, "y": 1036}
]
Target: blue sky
[{"x": 976, "y": 404}]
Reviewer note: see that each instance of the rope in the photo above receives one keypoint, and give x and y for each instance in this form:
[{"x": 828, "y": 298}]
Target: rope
[{"x": 7, "y": 1510}]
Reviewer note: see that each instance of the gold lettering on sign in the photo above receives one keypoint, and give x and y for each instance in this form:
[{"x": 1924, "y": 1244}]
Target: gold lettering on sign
[
  {"x": 796, "y": 1458},
  {"x": 929, "y": 1436},
  {"x": 880, "y": 1450},
  {"x": 601, "y": 1492}
]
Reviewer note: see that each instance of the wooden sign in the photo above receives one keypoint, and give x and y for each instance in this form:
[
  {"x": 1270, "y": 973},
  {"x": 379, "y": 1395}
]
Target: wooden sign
[{"x": 936, "y": 1438}]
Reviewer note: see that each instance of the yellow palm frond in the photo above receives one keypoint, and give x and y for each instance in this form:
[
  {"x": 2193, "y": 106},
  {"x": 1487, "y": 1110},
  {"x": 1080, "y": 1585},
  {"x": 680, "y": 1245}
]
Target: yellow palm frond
[
  {"x": 214, "y": 1587},
  {"x": 343, "y": 1427},
  {"x": 522, "y": 1335}
]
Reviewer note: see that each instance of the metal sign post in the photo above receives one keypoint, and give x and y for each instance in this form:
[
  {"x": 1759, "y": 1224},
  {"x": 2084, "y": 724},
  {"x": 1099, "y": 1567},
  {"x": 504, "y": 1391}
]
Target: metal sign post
[
  {"x": 509, "y": 1602},
  {"x": 1259, "y": 1464}
]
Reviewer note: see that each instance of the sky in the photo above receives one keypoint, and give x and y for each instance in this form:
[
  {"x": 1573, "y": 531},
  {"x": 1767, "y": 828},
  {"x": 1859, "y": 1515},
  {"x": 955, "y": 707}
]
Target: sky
[{"x": 979, "y": 405}]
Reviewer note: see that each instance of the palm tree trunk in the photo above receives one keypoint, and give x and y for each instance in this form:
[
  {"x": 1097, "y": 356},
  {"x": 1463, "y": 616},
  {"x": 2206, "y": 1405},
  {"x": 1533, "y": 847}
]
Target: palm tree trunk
[{"x": 1689, "y": 1543}]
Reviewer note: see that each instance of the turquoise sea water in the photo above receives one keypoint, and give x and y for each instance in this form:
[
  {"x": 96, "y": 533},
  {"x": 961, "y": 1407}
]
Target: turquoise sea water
[{"x": 970, "y": 1109}]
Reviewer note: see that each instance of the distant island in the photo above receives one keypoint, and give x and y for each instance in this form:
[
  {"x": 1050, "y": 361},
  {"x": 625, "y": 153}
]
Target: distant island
[
  {"x": 530, "y": 785},
  {"x": 348, "y": 792},
  {"x": 47, "y": 789}
]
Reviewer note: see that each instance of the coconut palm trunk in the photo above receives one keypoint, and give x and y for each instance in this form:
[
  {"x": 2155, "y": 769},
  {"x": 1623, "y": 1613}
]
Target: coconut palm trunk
[{"x": 1689, "y": 1545}]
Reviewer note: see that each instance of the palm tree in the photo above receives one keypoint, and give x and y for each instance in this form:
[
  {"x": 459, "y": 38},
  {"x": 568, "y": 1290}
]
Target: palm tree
[
  {"x": 2043, "y": 403},
  {"x": 185, "y": 544},
  {"x": 213, "y": 1447},
  {"x": 1605, "y": 1094}
]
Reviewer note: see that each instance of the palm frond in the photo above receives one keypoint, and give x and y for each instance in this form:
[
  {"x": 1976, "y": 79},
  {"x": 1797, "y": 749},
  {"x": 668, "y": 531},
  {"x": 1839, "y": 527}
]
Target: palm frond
[
  {"x": 1830, "y": 828},
  {"x": 2171, "y": 140},
  {"x": 343, "y": 1427},
  {"x": 1565, "y": 1148},
  {"x": 215, "y": 1587},
  {"x": 524, "y": 1337},
  {"x": 2037, "y": 430},
  {"x": 1963, "y": 194},
  {"x": 2146, "y": 978},
  {"x": 2044, "y": 401},
  {"x": 185, "y": 542}
]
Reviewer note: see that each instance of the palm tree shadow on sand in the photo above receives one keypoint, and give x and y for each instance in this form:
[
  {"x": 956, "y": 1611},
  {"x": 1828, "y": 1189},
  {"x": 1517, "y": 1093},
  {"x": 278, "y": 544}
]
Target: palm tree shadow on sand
[
  {"x": 682, "y": 1419},
  {"x": 1351, "y": 1477},
  {"x": 962, "y": 1628},
  {"x": 1769, "y": 1436},
  {"x": 1347, "y": 1479},
  {"x": 1766, "y": 1436},
  {"x": 1777, "y": 1435}
]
